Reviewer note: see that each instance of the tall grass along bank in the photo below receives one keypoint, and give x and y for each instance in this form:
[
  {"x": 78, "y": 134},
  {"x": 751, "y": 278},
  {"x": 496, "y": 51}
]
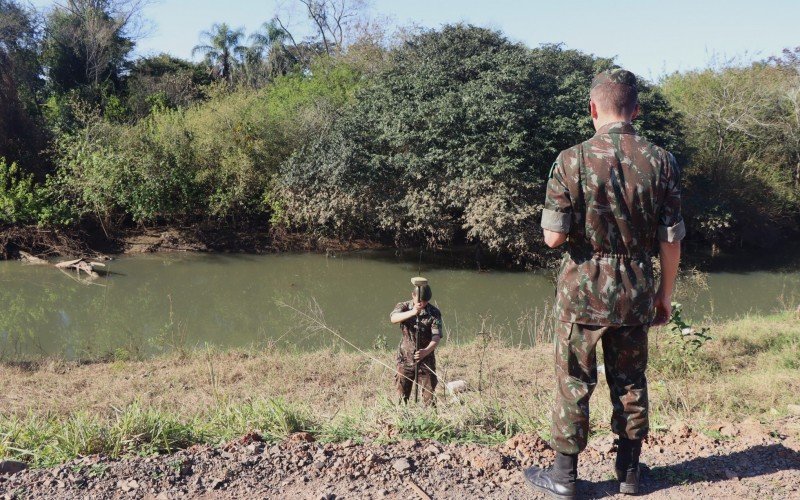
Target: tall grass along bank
[{"x": 54, "y": 410}]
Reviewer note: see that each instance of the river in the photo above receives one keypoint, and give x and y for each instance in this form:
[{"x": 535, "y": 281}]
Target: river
[{"x": 153, "y": 303}]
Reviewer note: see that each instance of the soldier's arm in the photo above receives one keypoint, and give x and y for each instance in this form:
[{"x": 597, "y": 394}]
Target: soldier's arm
[
  {"x": 671, "y": 231},
  {"x": 670, "y": 255},
  {"x": 436, "y": 332},
  {"x": 670, "y": 219},
  {"x": 436, "y": 336},
  {"x": 557, "y": 212},
  {"x": 402, "y": 313},
  {"x": 554, "y": 239}
]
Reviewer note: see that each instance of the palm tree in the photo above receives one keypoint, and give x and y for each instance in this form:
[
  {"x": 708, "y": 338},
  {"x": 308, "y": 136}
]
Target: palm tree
[
  {"x": 222, "y": 48},
  {"x": 268, "y": 47},
  {"x": 270, "y": 34}
]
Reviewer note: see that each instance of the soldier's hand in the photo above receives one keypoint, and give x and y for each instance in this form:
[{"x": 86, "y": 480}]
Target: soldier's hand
[
  {"x": 663, "y": 307},
  {"x": 417, "y": 308},
  {"x": 421, "y": 354}
]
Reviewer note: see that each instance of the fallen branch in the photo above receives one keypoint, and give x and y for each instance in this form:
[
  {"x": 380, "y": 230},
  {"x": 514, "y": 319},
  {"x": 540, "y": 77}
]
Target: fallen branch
[
  {"x": 32, "y": 259},
  {"x": 418, "y": 490},
  {"x": 82, "y": 265}
]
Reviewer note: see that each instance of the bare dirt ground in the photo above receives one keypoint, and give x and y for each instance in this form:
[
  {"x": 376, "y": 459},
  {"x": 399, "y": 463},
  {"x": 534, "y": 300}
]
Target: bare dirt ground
[
  {"x": 92, "y": 240},
  {"x": 745, "y": 461}
]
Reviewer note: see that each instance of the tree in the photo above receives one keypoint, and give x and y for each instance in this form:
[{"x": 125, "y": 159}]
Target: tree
[
  {"x": 336, "y": 25},
  {"x": 20, "y": 81},
  {"x": 20, "y": 34},
  {"x": 331, "y": 18},
  {"x": 222, "y": 49},
  {"x": 787, "y": 123},
  {"x": 87, "y": 43},
  {"x": 271, "y": 42},
  {"x": 161, "y": 82},
  {"x": 437, "y": 148},
  {"x": 742, "y": 125},
  {"x": 451, "y": 142},
  {"x": 267, "y": 57}
]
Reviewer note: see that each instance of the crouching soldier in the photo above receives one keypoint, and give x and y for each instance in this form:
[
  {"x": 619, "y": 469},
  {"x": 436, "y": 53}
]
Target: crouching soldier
[{"x": 421, "y": 326}]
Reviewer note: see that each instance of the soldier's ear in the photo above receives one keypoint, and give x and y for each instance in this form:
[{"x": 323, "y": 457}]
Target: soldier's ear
[
  {"x": 593, "y": 109},
  {"x": 635, "y": 112}
]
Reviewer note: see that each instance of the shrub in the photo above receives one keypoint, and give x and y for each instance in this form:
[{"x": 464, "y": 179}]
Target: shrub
[
  {"x": 451, "y": 141},
  {"x": 18, "y": 197},
  {"x": 214, "y": 160},
  {"x": 743, "y": 177}
]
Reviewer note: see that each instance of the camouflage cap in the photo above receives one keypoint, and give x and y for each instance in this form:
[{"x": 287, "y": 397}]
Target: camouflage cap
[{"x": 616, "y": 75}]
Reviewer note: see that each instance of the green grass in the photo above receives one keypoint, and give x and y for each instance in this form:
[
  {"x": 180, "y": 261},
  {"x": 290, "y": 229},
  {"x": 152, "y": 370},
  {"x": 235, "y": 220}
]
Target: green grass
[
  {"x": 45, "y": 441},
  {"x": 349, "y": 397},
  {"x": 135, "y": 430}
]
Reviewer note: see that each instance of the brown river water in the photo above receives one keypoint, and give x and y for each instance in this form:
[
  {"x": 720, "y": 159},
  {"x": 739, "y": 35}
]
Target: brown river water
[{"x": 153, "y": 303}]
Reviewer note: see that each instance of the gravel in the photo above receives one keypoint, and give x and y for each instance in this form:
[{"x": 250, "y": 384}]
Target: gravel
[{"x": 682, "y": 463}]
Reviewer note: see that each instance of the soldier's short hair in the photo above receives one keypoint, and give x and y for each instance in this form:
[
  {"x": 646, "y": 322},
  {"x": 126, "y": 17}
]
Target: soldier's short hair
[
  {"x": 424, "y": 291},
  {"x": 616, "y": 98}
]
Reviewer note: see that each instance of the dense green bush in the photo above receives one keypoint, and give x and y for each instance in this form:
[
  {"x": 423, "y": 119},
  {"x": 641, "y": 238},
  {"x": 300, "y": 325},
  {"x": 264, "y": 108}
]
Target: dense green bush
[
  {"x": 19, "y": 203},
  {"x": 215, "y": 159},
  {"x": 743, "y": 177},
  {"x": 433, "y": 145},
  {"x": 452, "y": 142},
  {"x": 26, "y": 202}
]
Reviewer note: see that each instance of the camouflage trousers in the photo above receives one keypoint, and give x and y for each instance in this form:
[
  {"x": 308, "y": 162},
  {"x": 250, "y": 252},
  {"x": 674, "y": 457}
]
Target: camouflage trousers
[
  {"x": 625, "y": 358},
  {"x": 404, "y": 379}
]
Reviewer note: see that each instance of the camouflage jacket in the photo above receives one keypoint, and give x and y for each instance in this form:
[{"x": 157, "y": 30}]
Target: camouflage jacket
[
  {"x": 430, "y": 324},
  {"x": 614, "y": 195}
]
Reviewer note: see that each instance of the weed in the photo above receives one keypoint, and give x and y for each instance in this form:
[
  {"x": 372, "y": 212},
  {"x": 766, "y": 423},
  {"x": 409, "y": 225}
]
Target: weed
[
  {"x": 174, "y": 335},
  {"x": 380, "y": 343},
  {"x": 679, "y": 353},
  {"x": 484, "y": 338},
  {"x": 716, "y": 435},
  {"x": 98, "y": 470},
  {"x": 692, "y": 338},
  {"x": 176, "y": 465},
  {"x": 343, "y": 428},
  {"x": 274, "y": 419},
  {"x": 676, "y": 477},
  {"x": 147, "y": 431}
]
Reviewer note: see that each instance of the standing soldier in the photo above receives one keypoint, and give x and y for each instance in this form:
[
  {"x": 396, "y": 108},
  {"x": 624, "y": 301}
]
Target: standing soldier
[
  {"x": 614, "y": 199},
  {"x": 421, "y": 325}
]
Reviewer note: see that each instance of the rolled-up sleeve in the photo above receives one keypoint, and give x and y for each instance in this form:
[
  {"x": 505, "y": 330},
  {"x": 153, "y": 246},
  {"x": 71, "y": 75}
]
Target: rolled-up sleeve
[
  {"x": 436, "y": 326},
  {"x": 557, "y": 212},
  {"x": 670, "y": 220},
  {"x": 399, "y": 308}
]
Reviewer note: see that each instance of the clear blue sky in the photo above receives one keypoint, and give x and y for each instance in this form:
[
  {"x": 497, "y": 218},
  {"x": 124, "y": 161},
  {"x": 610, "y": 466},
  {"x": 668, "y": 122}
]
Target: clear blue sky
[{"x": 648, "y": 37}]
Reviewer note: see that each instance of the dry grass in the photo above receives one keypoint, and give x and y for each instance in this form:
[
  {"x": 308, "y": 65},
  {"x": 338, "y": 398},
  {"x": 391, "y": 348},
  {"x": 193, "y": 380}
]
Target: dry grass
[{"x": 750, "y": 369}]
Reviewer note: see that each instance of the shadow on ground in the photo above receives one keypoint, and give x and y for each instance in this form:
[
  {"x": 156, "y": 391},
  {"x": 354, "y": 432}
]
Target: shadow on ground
[{"x": 755, "y": 461}]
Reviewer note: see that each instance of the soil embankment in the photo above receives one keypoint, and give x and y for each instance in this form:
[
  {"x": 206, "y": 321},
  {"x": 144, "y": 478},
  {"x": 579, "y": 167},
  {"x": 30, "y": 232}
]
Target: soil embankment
[
  {"x": 682, "y": 464},
  {"x": 91, "y": 241}
]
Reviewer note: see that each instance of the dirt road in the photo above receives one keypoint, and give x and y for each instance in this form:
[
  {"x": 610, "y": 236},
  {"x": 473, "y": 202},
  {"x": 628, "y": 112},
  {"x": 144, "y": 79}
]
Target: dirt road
[{"x": 743, "y": 461}]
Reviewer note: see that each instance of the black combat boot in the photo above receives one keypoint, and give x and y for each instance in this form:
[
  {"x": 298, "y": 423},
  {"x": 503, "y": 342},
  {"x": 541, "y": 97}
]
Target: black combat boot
[
  {"x": 559, "y": 480},
  {"x": 627, "y": 465}
]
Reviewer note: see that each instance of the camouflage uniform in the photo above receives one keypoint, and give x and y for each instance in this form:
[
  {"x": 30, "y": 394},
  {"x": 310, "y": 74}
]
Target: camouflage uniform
[
  {"x": 615, "y": 196},
  {"x": 430, "y": 324}
]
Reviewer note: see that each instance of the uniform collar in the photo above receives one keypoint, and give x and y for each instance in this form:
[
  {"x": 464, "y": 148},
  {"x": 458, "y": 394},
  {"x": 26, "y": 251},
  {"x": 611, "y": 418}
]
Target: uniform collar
[{"x": 616, "y": 128}]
